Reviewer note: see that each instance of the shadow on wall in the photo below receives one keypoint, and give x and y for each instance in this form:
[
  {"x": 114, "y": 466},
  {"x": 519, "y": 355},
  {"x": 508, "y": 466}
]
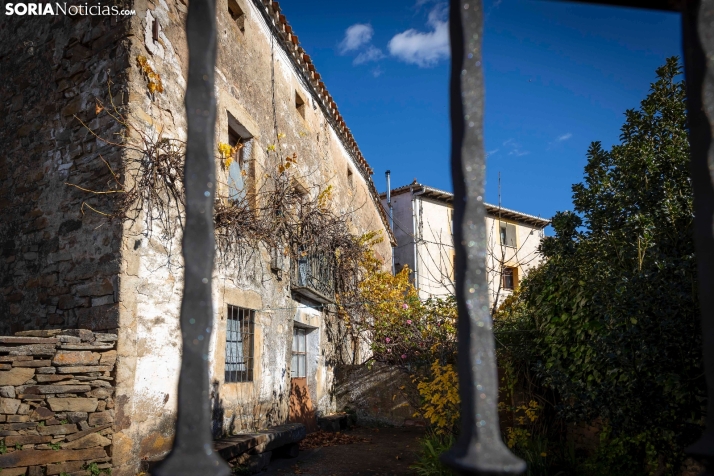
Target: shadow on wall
[
  {"x": 301, "y": 409},
  {"x": 381, "y": 395}
]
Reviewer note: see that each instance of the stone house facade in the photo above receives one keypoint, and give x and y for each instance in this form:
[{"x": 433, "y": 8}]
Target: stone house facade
[
  {"x": 66, "y": 265},
  {"x": 423, "y": 227}
]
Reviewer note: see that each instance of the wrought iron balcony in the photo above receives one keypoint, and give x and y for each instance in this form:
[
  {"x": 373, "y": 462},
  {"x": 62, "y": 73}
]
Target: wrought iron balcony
[{"x": 313, "y": 276}]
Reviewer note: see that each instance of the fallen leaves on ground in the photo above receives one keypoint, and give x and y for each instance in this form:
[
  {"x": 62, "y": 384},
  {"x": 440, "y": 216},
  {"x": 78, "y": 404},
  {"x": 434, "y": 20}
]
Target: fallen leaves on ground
[{"x": 321, "y": 438}]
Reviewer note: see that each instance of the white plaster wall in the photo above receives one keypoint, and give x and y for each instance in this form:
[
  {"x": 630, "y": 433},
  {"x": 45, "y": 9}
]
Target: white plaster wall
[{"x": 435, "y": 247}]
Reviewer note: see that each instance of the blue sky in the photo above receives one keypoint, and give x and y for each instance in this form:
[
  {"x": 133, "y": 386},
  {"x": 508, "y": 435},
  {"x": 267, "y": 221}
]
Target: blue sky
[{"x": 558, "y": 76}]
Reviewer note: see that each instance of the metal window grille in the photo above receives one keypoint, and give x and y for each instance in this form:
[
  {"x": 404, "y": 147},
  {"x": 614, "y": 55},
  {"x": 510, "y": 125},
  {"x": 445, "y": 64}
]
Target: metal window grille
[
  {"x": 239, "y": 344},
  {"x": 298, "y": 368}
]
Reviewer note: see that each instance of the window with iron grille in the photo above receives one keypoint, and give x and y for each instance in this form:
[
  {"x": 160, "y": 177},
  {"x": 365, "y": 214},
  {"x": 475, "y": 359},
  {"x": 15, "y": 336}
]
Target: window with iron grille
[
  {"x": 298, "y": 368},
  {"x": 239, "y": 344}
]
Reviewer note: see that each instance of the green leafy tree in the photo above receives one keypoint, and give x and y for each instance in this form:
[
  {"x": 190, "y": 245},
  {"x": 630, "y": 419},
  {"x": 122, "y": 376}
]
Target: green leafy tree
[{"x": 613, "y": 309}]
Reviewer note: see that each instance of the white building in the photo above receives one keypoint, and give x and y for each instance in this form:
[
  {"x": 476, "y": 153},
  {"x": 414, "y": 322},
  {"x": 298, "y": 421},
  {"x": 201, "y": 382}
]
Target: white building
[{"x": 423, "y": 228}]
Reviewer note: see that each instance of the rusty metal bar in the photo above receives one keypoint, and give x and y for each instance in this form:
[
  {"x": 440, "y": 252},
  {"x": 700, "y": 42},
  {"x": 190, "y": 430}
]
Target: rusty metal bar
[
  {"x": 479, "y": 449},
  {"x": 192, "y": 452}
]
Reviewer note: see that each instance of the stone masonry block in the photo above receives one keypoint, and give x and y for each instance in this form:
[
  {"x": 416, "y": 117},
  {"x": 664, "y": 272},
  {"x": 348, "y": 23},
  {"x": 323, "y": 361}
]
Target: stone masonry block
[
  {"x": 75, "y": 358},
  {"x": 16, "y": 376},
  {"x": 9, "y": 406}
]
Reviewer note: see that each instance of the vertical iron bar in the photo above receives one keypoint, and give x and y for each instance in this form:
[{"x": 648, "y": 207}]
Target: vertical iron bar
[
  {"x": 698, "y": 42},
  {"x": 192, "y": 452},
  {"x": 479, "y": 449}
]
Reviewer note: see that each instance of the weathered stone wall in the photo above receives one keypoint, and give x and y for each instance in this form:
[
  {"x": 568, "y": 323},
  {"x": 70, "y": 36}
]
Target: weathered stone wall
[
  {"x": 56, "y": 402},
  {"x": 256, "y": 83},
  {"x": 380, "y": 395},
  {"x": 64, "y": 265},
  {"x": 58, "y": 266}
]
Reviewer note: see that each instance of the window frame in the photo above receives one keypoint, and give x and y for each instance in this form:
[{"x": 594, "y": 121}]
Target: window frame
[
  {"x": 244, "y": 340},
  {"x": 238, "y": 135},
  {"x": 508, "y": 239},
  {"x": 512, "y": 272},
  {"x": 296, "y": 354}
]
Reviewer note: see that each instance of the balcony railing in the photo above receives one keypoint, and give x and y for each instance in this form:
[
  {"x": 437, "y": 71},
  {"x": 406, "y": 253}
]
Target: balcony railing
[{"x": 313, "y": 276}]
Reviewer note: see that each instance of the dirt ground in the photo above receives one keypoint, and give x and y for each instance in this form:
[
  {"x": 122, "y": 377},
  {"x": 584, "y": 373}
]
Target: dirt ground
[{"x": 389, "y": 451}]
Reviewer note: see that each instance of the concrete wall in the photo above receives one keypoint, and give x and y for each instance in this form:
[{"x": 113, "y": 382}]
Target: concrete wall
[
  {"x": 434, "y": 256},
  {"x": 524, "y": 256}
]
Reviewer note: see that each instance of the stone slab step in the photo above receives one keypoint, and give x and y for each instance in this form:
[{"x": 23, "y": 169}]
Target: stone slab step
[{"x": 260, "y": 442}]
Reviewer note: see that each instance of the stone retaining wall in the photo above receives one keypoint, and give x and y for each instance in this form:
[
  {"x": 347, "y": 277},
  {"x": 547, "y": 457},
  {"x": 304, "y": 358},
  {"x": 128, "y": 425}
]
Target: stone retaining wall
[{"x": 56, "y": 402}]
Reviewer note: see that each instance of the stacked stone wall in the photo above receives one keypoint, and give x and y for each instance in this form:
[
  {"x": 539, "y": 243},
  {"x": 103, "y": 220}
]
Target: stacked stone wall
[
  {"x": 56, "y": 402},
  {"x": 59, "y": 260}
]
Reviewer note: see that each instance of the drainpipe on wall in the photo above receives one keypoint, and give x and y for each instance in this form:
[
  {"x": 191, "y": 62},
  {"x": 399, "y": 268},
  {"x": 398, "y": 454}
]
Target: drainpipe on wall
[{"x": 391, "y": 213}]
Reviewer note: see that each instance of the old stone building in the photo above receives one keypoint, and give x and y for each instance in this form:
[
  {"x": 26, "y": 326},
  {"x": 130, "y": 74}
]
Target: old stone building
[
  {"x": 423, "y": 227},
  {"x": 89, "y": 102}
]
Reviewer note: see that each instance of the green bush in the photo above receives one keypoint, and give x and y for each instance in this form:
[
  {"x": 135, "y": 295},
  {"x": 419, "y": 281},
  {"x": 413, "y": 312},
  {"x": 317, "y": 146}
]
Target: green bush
[
  {"x": 432, "y": 446},
  {"x": 607, "y": 328}
]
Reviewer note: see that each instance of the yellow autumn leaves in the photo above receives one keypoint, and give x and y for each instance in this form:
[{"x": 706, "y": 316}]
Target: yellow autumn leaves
[
  {"x": 154, "y": 79},
  {"x": 440, "y": 396},
  {"x": 228, "y": 153}
]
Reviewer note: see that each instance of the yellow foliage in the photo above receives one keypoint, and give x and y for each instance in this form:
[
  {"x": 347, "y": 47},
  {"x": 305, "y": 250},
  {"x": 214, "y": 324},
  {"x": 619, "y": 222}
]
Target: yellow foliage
[
  {"x": 440, "y": 396},
  {"x": 524, "y": 415},
  {"x": 154, "y": 79},
  {"x": 517, "y": 437},
  {"x": 325, "y": 197}
]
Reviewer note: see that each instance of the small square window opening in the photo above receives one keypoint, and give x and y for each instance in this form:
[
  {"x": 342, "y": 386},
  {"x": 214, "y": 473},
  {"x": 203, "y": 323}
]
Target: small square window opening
[
  {"x": 239, "y": 344},
  {"x": 300, "y": 104},
  {"x": 236, "y": 14}
]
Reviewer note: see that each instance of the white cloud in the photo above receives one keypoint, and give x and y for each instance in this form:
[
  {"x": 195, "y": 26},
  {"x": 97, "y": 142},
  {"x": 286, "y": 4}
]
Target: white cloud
[
  {"x": 514, "y": 148},
  {"x": 565, "y": 137},
  {"x": 377, "y": 72},
  {"x": 424, "y": 49},
  {"x": 355, "y": 36},
  {"x": 370, "y": 54}
]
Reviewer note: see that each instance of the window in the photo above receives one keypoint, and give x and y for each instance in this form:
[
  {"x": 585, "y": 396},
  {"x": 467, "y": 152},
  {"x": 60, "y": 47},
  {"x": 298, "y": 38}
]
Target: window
[
  {"x": 236, "y": 14},
  {"x": 300, "y": 104},
  {"x": 241, "y": 139},
  {"x": 350, "y": 180},
  {"x": 298, "y": 369},
  {"x": 508, "y": 235},
  {"x": 509, "y": 278},
  {"x": 239, "y": 344}
]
